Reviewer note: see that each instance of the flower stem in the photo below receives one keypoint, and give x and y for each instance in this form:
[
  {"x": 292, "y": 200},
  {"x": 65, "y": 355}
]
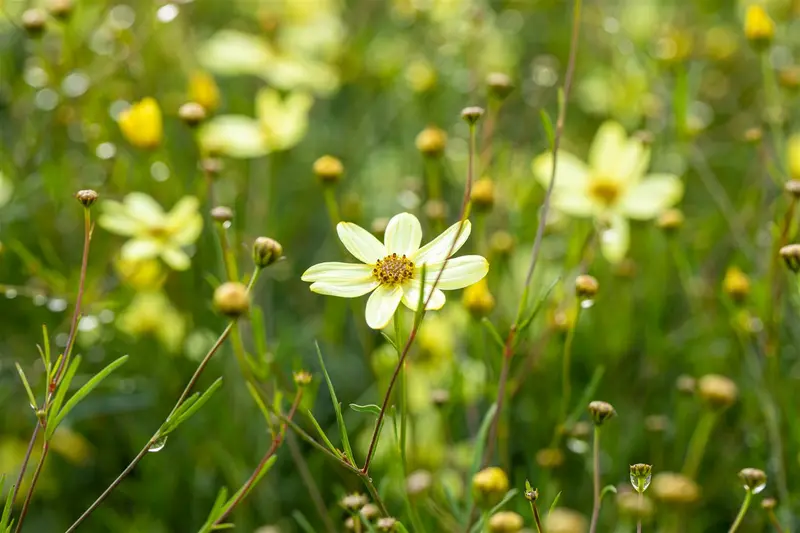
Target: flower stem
[
  {"x": 697, "y": 444},
  {"x": 774, "y": 521},
  {"x": 641, "y": 502},
  {"x": 748, "y": 495},
  {"x": 331, "y": 205},
  {"x": 596, "y": 484},
  {"x": 773, "y": 109},
  {"x": 566, "y": 362},
  {"x": 536, "y": 518}
]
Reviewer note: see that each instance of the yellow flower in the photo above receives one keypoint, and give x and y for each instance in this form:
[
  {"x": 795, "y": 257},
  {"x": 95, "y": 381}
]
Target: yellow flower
[
  {"x": 794, "y": 156},
  {"x": 141, "y": 274},
  {"x": 153, "y": 232},
  {"x": 151, "y": 313},
  {"x": 611, "y": 188},
  {"x": 141, "y": 123},
  {"x": 392, "y": 270},
  {"x": 203, "y": 90},
  {"x": 758, "y": 26}
]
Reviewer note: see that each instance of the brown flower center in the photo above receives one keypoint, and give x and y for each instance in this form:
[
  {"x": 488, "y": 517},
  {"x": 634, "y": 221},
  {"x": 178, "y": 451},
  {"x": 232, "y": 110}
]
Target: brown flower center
[
  {"x": 604, "y": 190},
  {"x": 393, "y": 270}
]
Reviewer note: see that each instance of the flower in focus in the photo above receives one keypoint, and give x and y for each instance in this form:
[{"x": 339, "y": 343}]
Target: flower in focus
[
  {"x": 392, "y": 271},
  {"x": 153, "y": 232},
  {"x": 612, "y": 188},
  {"x": 152, "y": 313},
  {"x": 141, "y": 123},
  {"x": 203, "y": 90}
]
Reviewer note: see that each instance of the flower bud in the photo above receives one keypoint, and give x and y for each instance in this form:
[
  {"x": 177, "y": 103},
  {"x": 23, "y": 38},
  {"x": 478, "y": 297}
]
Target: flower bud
[
  {"x": 753, "y": 135},
  {"x": 792, "y": 187},
  {"x": 353, "y": 502},
  {"x": 489, "y": 486},
  {"x": 793, "y": 156},
  {"x": 630, "y": 504},
  {"x": 60, "y": 9},
  {"x": 192, "y": 113},
  {"x": 87, "y": 197},
  {"x": 791, "y": 256},
  {"x": 418, "y": 482},
  {"x": 758, "y": 26},
  {"x": 440, "y": 397},
  {"x": 500, "y": 85},
  {"x": 266, "y": 251},
  {"x": 478, "y": 300},
  {"x": 640, "y": 475},
  {"x": 211, "y": 166},
  {"x": 550, "y": 458},
  {"x": 505, "y": 522},
  {"x": 387, "y": 523},
  {"x": 301, "y": 378},
  {"x": 586, "y": 287},
  {"x": 677, "y": 489},
  {"x": 431, "y": 141},
  {"x": 328, "y": 169},
  {"x": 203, "y": 90},
  {"x": 472, "y": 114},
  {"x": 768, "y": 504},
  {"x": 753, "y": 479},
  {"x": 482, "y": 195},
  {"x": 789, "y": 77},
  {"x": 717, "y": 391},
  {"x": 736, "y": 284},
  {"x": 686, "y": 384},
  {"x": 601, "y": 411},
  {"x": 531, "y": 494},
  {"x": 222, "y": 214},
  {"x": 436, "y": 209},
  {"x": 231, "y": 299},
  {"x": 369, "y": 511},
  {"x": 34, "y": 21},
  {"x": 501, "y": 242},
  {"x": 671, "y": 220},
  {"x": 563, "y": 520}
]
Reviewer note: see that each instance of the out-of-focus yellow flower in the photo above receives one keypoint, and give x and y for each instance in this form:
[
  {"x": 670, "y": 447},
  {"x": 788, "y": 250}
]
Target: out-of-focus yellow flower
[
  {"x": 203, "y": 90},
  {"x": 793, "y": 149},
  {"x": 758, "y": 26},
  {"x": 153, "y": 232},
  {"x": 141, "y": 274},
  {"x": 151, "y": 313},
  {"x": 420, "y": 75},
  {"x": 71, "y": 445},
  {"x": 141, "y": 123},
  {"x": 284, "y": 121},
  {"x": 611, "y": 188}
]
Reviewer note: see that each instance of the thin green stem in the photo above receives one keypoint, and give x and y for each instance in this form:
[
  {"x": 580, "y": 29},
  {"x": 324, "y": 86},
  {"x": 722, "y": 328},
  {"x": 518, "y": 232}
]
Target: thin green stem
[
  {"x": 331, "y": 204},
  {"x": 566, "y": 362},
  {"x": 748, "y": 495},
  {"x": 773, "y": 109},
  {"x": 536, "y": 518},
  {"x": 774, "y": 521},
  {"x": 596, "y": 480},
  {"x": 641, "y": 505},
  {"x": 698, "y": 442}
]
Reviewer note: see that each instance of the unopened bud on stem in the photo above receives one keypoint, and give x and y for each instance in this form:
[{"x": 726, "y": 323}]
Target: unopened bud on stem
[
  {"x": 87, "y": 197},
  {"x": 791, "y": 256},
  {"x": 601, "y": 411},
  {"x": 231, "y": 299},
  {"x": 266, "y": 251},
  {"x": 472, "y": 114}
]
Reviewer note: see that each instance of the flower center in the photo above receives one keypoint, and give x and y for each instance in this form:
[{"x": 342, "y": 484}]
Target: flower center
[
  {"x": 604, "y": 190},
  {"x": 393, "y": 269}
]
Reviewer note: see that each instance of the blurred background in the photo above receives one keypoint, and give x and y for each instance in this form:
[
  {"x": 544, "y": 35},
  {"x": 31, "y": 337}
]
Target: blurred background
[{"x": 90, "y": 93}]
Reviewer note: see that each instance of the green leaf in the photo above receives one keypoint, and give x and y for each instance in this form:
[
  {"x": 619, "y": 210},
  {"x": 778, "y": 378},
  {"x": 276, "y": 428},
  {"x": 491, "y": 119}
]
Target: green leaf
[
  {"x": 401, "y": 528},
  {"x": 220, "y": 527},
  {"x": 547, "y": 124},
  {"x": 369, "y": 408},
  {"x": 493, "y": 333},
  {"x": 63, "y": 388},
  {"x": 510, "y": 494},
  {"x": 539, "y": 303},
  {"x": 5, "y": 518},
  {"x": 388, "y": 339},
  {"x": 607, "y": 489},
  {"x": 31, "y": 397},
  {"x": 555, "y": 502},
  {"x": 303, "y": 522},
  {"x": 183, "y": 415},
  {"x": 259, "y": 402},
  {"x": 586, "y": 397},
  {"x": 46, "y": 337},
  {"x": 477, "y": 454},
  {"x": 83, "y": 392},
  {"x": 322, "y": 434},
  {"x": 338, "y": 408}
]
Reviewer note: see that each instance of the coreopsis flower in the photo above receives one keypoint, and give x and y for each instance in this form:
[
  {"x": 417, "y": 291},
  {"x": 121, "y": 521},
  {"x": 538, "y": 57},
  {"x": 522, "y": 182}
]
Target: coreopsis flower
[
  {"x": 392, "y": 270},
  {"x": 612, "y": 187},
  {"x": 141, "y": 123},
  {"x": 153, "y": 233}
]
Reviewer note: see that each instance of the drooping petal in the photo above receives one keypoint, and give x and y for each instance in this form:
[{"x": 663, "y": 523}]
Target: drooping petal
[
  {"x": 571, "y": 172},
  {"x": 361, "y": 243},
  {"x": 607, "y": 147},
  {"x": 338, "y": 272},
  {"x": 411, "y": 292},
  {"x": 136, "y": 249},
  {"x": 437, "y": 250},
  {"x": 382, "y": 304},
  {"x": 403, "y": 235},
  {"x": 651, "y": 196},
  {"x": 343, "y": 289},
  {"x": 459, "y": 272},
  {"x": 176, "y": 258},
  {"x": 615, "y": 239}
]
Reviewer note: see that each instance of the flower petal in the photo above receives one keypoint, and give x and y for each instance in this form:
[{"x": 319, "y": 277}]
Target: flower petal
[
  {"x": 342, "y": 272},
  {"x": 632, "y": 162},
  {"x": 382, "y": 304},
  {"x": 143, "y": 207},
  {"x": 116, "y": 220},
  {"x": 459, "y": 272},
  {"x": 176, "y": 258},
  {"x": 136, "y": 249},
  {"x": 403, "y": 235},
  {"x": 437, "y": 250},
  {"x": 615, "y": 239},
  {"x": 236, "y": 136},
  {"x": 571, "y": 173},
  {"x": 607, "y": 147},
  {"x": 411, "y": 292},
  {"x": 361, "y": 243},
  {"x": 343, "y": 289},
  {"x": 651, "y": 196},
  {"x": 575, "y": 203}
]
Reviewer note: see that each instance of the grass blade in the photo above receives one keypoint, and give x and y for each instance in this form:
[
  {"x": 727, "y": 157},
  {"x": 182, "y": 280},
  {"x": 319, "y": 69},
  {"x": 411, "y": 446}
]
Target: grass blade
[
  {"x": 63, "y": 387},
  {"x": 338, "y": 408},
  {"x": 555, "y": 502},
  {"x": 493, "y": 333},
  {"x": 31, "y": 397},
  {"x": 586, "y": 397},
  {"x": 302, "y": 521},
  {"x": 477, "y": 454},
  {"x": 322, "y": 434},
  {"x": 179, "y": 418},
  {"x": 369, "y": 408}
]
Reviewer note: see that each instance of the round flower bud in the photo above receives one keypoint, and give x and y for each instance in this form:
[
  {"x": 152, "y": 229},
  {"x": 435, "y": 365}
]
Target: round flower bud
[
  {"x": 431, "y": 141},
  {"x": 266, "y": 251},
  {"x": 753, "y": 479},
  {"x": 436, "y": 209},
  {"x": 353, "y": 502},
  {"x": 478, "y": 300},
  {"x": 211, "y": 166},
  {"x": 489, "y": 486},
  {"x": 789, "y": 77},
  {"x": 369, "y": 511},
  {"x": 87, "y": 197},
  {"x": 192, "y": 113},
  {"x": 673, "y": 488},
  {"x": 630, "y": 504},
  {"x": 301, "y": 378},
  {"x": 717, "y": 391},
  {"x": 222, "y": 214},
  {"x": 768, "y": 504},
  {"x": 418, "y": 482},
  {"x": 505, "y": 522},
  {"x": 328, "y": 169},
  {"x": 586, "y": 287},
  {"x": 350, "y": 523},
  {"x": 758, "y": 26},
  {"x": 472, "y": 114},
  {"x": 686, "y": 384},
  {"x": 640, "y": 475},
  {"x": 656, "y": 423},
  {"x": 550, "y": 458},
  {"x": 736, "y": 284},
  {"x": 753, "y": 135},
  {"x": 231, "y": 299},
  {"x": 501, "y": 243},
  {"x": 34, "y": 21},
  {"x": 482, "y": 195},
  {"x": 791, "y": 256},
  {"x": 440, "y": 397},
  {"x": 500, "y": 85},
  {"x": 601, "y": 411},
  {"x": 792, "y": 187},
  {"x": 670, "y": 220},
  {"x": 60, "y": 9},
  {"x": 563, "y": 520},
  {"x": 387, "y": 523},
  {"x": 531, "y": 494}
]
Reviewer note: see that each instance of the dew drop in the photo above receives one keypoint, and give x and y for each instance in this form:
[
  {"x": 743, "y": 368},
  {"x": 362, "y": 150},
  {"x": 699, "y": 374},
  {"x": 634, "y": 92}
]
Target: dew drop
[
  {"x": 635, "y": 482},
  {"x": 226, "y": 224},
  {"x": 158, "y": 445},
  {"x": 586, "y": 304},
  {"x": 757, "y": 488}
]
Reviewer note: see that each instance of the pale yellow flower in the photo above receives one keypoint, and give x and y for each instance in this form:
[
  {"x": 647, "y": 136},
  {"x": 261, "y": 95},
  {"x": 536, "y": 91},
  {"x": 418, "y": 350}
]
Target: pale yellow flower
[
  {"x": 152, "y": 313},
  {"x": 203, "y": 90},
  {"x": 392, "y": 270},
  {"x": 141, "y": 123},
  {"x": 612, "y": 188},
  {"x": 153, "y": 232},
  {"x": 141, "y": 274}
]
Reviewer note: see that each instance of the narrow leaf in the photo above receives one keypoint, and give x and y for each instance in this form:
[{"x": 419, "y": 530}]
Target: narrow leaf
[
  {"x": 493, "y": 333},
  {"x": 539, "y": 303},
  {"x": 322, "y": 434},
  {"x": 555, "y": 502},
  {"x": 259, "y": 402},
  {"x": 586, "y": 397},
  {"x": 6, "y": 516},
  {"x": 174, "y": 421},
  {"x": 388, "y": 339},
  {"x": 267, "y": 467},
  {"x": 547, "y": 124},
  {"x": 46, "y": 337},
  {"x": 510, "y": 494},
  {"x": 83, "y": 392},
  {"x": 220, "y": 527},
  {"x": 302, "y": 521},
  {"x": 477, "y": 454},
  {"x": 63, "y": 388},
  {"x": 338, "y": 408},
  {"x": 369, "y": 408},
  {"x": 31, "y": 397},
  {"x": 606, "y": 490}
]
